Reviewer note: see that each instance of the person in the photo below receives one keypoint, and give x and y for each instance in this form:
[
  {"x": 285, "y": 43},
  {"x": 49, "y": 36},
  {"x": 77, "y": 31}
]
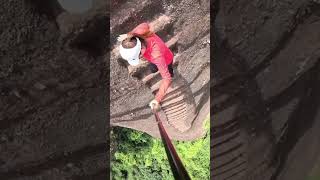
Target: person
[{"x": 155, "y": 51}]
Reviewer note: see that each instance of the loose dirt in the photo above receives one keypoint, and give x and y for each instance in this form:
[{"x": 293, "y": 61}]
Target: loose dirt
[
  {"x": 53, "y": 78},
  {"x": 266, "y": 84}
]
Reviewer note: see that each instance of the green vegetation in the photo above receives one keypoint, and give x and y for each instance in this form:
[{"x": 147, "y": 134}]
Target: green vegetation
[
  {"x": 139, "y": 156},
  {"x": 315, "y": 174},
  {"x": 314, "y": 178},
  {"x": 315, "y": 171}
]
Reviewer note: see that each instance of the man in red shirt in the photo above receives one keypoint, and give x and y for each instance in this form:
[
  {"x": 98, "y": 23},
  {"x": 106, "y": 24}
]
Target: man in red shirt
[{"x": 158, "y": 54}]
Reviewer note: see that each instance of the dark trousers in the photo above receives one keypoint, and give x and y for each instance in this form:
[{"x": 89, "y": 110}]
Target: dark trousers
[{"x": 154, "y": 68}]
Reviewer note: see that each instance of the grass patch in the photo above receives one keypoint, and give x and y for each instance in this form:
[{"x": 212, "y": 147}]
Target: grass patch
[{"x": 139, "y": 156}]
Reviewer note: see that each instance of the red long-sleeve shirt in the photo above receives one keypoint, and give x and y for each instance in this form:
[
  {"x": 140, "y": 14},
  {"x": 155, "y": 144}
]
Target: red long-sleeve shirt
[{"x": 157, "y": 53}]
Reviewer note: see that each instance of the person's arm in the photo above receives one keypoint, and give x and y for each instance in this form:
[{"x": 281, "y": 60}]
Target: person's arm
[
  {"x": 142, "y": 31},
  {"x": 166, "y": 78},
  {"x": 164, "y": 85}
]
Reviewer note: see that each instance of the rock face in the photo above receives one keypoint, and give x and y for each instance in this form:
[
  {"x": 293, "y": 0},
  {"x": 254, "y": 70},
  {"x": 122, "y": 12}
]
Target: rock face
[
  {"x": 52, "y": 91},
  {"x": 266, "y": 89},
  {"x": 55, "y": 66},
  {"x": 54, "y": 72},
  {"x": 184, "y": 26}
]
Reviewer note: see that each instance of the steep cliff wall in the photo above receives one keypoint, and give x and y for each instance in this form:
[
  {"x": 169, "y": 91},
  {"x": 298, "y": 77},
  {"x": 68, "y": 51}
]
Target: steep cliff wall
[
  {"x": 184, "y": 26},
  {"x": 266, "y": 89}
]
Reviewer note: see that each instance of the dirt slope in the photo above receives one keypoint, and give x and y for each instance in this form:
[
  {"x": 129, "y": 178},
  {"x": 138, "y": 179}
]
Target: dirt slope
[
  {"x": 184, "y": 26},
  {"x": 266, "y": 84},
  {"x": 52, "y": 92},
  {"x": 54, "y": 71}
]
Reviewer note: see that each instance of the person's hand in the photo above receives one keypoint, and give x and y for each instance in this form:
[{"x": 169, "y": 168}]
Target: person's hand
[
  {"x": 154, "y": 104},
  {"x": 122, "y": 37}
]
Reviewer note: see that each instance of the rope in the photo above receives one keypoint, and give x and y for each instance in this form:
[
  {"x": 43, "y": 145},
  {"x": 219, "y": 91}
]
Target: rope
[{"x": 178, "y": 170}]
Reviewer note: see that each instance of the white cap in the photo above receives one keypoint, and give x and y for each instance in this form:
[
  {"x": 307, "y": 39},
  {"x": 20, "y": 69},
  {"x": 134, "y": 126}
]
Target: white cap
[{"x": 131, "y": 54}]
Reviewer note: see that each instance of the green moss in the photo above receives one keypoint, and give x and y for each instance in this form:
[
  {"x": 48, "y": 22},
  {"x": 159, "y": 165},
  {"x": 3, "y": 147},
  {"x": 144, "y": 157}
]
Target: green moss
[{"x": 139, "y": 156}]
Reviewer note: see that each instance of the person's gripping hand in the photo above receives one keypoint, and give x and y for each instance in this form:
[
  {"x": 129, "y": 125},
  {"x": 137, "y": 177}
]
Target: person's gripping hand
[
  {"x": 122, "y": 37},
  {"x": 154, "y": 105}
]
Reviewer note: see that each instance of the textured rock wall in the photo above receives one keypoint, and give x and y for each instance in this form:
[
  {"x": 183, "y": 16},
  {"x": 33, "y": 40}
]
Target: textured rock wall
[
  {"x": 184, "y": 26},
  {"x": 266, "y": 89},
  {"x": 52, "y": 91}
]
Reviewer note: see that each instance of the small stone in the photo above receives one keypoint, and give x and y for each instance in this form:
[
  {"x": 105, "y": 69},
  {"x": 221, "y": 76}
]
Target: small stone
[
  {"x": 4, "y": 138},
  {"x": 39, "y": 86},
  {"x": 16, "y": 93},
  {"x": 69, "y": 165}
]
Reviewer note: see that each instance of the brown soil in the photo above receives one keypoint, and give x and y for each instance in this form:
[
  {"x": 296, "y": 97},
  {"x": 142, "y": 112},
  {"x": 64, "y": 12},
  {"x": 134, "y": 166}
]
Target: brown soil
[
  {"x": 52, "y": 92},
  {"x": 266, "y": 90}
]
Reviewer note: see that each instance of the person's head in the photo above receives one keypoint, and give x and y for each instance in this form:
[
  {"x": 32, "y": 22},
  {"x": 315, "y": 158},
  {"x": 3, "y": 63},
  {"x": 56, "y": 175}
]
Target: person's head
[
  {"x": 129, "y": 43},
  {"x": 130, "y": 50}
]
